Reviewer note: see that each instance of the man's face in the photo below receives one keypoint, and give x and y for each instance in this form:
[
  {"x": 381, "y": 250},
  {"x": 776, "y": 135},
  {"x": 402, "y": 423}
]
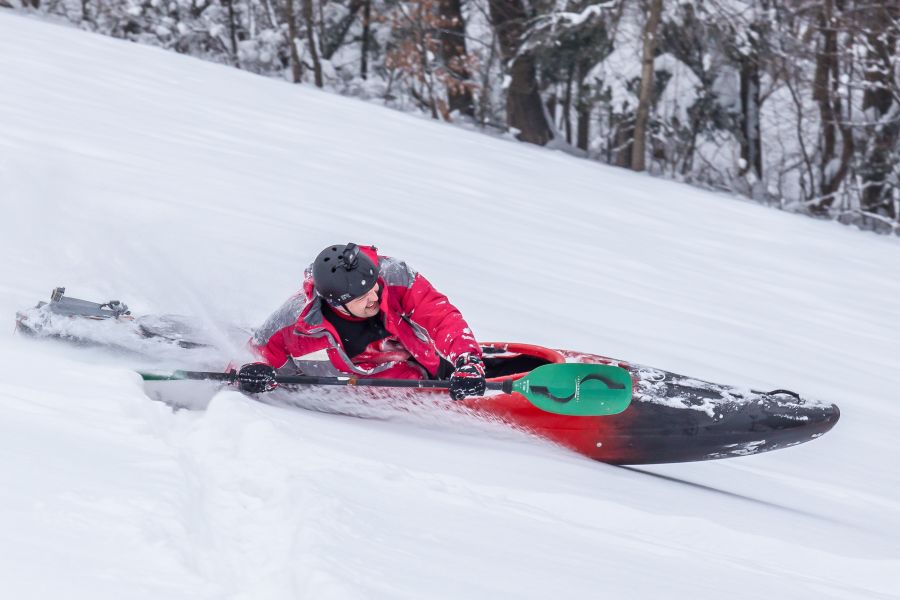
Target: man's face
[{"x": 366, "y": 305}]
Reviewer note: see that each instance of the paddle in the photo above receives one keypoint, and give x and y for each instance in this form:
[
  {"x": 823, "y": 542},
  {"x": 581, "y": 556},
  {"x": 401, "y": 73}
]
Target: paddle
[{"x": 574, "y": 389}]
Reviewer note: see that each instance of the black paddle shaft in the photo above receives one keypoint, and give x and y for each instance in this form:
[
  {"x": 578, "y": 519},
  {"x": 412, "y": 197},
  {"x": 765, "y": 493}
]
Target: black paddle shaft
[{"x": 231, "y": 377}]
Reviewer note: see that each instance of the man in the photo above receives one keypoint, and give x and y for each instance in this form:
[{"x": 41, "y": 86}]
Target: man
[{"x": 371, "y": 316}]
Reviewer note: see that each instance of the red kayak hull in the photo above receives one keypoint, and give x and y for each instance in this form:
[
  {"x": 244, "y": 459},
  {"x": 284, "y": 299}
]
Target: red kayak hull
[{"x": 671, "y": 418}]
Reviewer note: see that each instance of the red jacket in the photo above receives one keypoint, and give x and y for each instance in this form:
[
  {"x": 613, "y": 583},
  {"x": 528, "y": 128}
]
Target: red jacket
[{"x": 422, "y": 324}]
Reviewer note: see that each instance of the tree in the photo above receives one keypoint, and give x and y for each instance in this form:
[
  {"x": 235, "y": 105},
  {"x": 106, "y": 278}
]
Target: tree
[
  {"x": 524, "y": 108},
  {"x": 416, "y": 56},
  {"x": 879, "y": 168},
  {"x": 834, "y": 130},
  {"x": 455, "y": 57},
  {"x": 639, "y": 146},
  {"x": 751, "y": 65},
  {"x": 311, "y": 41},
  {"x": 566, "y": 45},
  {"x": 366, "y": 36},
  {"x": 292, "y": 35},
  {"x": 233, "y": 27}
]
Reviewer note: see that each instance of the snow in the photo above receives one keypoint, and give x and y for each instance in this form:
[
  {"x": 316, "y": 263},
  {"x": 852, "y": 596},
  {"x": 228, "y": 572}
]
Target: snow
[
  {"x": 574, "y": 19},
  {"x": 180, "y": 186},
  {"x": 680, "y": 92}
]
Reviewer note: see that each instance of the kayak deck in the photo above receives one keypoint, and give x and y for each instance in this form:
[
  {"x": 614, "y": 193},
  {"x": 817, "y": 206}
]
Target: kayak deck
[{"x": 671, "y": 418}]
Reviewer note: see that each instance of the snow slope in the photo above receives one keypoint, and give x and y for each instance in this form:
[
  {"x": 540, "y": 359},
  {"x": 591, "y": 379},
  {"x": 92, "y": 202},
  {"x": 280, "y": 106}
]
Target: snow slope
[{"x": 183, "y": 186}]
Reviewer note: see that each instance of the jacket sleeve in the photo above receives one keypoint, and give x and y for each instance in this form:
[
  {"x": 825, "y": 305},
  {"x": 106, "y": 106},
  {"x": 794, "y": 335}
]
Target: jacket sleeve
[
  {"x": 444, "y": 323},
  {"x": 273, "y": 352},
  {"x": 269, "y": 341}
]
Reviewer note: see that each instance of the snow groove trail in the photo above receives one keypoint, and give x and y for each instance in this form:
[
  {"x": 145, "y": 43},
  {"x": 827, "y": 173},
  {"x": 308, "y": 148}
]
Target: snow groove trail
[
  {"x": 248, "y": 500},
  {"x": 274, "y": 511},
  {"x": 255, "y": 506},
  {"x": 283, "y": 495}
]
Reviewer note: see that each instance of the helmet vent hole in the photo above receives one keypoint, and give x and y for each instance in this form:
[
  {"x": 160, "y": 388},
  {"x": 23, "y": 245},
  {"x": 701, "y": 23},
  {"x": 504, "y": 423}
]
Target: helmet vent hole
[{"x": 327, "y": 258}]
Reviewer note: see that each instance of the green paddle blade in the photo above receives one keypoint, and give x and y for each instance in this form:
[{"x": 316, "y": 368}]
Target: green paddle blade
[
  {"x": 158, "y": 377},
  {"x": 575, "y": 389}
]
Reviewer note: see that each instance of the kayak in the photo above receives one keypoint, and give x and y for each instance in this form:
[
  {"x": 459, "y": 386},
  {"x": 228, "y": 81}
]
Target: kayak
[{"x": 670, "y": 417}]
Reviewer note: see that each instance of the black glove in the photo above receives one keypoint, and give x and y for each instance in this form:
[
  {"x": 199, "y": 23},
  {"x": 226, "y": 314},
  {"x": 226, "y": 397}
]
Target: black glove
[
  {"x": 255, "y": 378},
  {"x": 468, "y": 378}
]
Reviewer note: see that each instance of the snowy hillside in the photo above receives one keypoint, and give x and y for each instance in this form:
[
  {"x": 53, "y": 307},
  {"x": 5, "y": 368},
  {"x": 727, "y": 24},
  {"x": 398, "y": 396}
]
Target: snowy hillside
[{"x": 186, "y": 187}]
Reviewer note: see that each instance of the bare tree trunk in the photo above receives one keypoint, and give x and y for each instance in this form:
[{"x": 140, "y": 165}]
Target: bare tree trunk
[
  {"x": 311, "y": 40},
  {"x": 524, "y": 109},
  {"x": 880, "y": 100},
  {"x": 751, "y": 142},
  {"x": 453, "y": 49},
  {"x": 427, "y": 77},
  {"x": 584, "y": 125},
  {"x": 333, "y": 37},
  {"x": 484, "y": 103},
  {"x": 833, "y": 169},
  {"x": 296, "y": 65},
  {"x": 364, "y": 59},
  {"x": 807, "y": 161},
  {"x": 232, "y": 32},
  {"x": 826, "y": 55},
  {"x": 750, "y": 64},
  {"x": 623, "y": 142},
  {"x": 583, "y": 107},
  {"x": 639, "y": 148},
  {"x": 270, "y": 14},
  {"x": 567, "y": 106}
]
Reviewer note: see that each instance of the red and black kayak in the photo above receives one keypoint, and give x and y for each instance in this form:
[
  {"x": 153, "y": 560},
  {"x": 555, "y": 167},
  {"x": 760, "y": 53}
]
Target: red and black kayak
[
  {"x": 667, "y": 418},
  {"x": 671, "y": 418}
]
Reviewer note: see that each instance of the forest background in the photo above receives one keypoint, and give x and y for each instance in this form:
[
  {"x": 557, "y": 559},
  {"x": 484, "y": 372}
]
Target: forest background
[{"x": 794, "y": 103}]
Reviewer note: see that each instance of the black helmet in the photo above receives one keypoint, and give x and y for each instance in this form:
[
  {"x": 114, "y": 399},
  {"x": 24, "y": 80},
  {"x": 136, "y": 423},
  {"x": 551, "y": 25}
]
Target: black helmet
[{"x": 342, "y": 273}]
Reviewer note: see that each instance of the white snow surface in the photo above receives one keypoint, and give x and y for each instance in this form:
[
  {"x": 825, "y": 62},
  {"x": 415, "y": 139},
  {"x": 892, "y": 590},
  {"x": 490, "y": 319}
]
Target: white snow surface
[{"x": 180, "y": 186}]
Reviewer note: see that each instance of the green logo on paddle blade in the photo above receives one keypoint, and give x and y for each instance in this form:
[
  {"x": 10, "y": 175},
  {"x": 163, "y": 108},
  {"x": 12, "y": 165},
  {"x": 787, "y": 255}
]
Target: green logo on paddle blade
[{"x": 577, "y": 389}]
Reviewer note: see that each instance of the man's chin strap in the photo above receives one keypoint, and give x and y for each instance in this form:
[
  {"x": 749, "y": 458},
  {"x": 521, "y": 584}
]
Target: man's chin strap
[
  {"x": 343, "y": 306},
  {"x": 343, "y": 312}
]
